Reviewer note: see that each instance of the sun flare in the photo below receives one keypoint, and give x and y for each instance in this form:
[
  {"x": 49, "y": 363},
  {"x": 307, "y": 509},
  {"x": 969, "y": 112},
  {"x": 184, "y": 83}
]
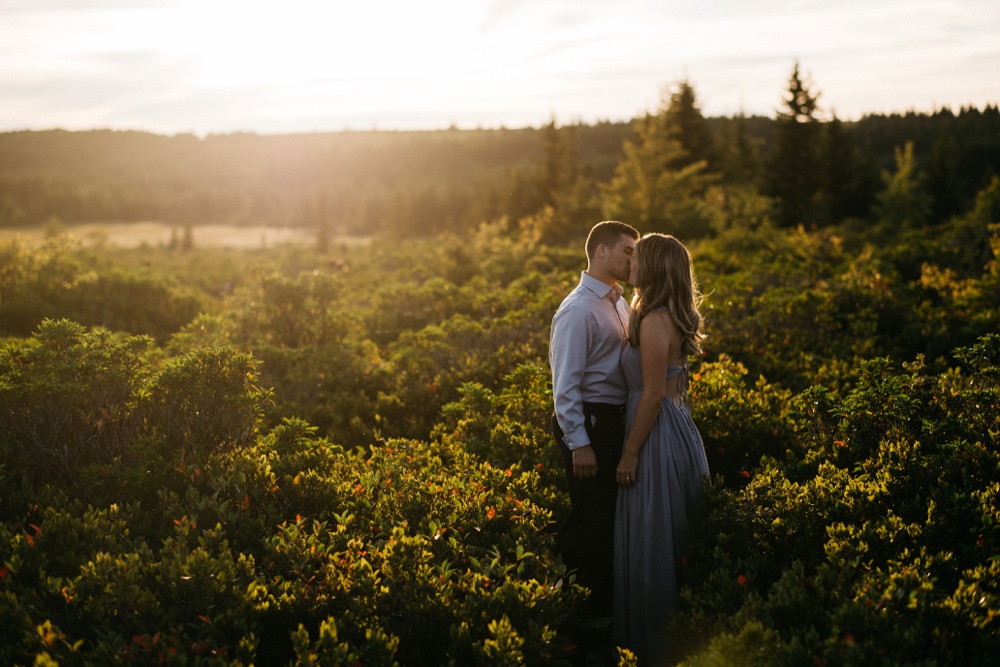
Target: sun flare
[{"x": 288, "y": 65}]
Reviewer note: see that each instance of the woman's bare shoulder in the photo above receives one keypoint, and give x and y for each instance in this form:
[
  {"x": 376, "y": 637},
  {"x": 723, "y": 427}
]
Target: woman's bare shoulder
[{"x": 658, "y": 319}]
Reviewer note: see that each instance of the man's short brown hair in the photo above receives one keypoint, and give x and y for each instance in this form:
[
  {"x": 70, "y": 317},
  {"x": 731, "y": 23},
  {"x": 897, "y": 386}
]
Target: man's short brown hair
[{"x": 608, "y": 233}]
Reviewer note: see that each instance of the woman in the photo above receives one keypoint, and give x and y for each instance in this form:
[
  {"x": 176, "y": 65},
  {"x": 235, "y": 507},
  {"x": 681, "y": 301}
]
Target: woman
[{"x": 663, "y": 462}]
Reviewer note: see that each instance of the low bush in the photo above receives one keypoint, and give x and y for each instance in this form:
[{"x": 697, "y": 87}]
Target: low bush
[
  {"x": 886, "y": 551},
  {"x": 206, "y": 541}
]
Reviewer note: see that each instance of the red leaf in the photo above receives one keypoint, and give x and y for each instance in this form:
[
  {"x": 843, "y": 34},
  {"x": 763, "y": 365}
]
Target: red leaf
[{"x": 742, "y": 580}]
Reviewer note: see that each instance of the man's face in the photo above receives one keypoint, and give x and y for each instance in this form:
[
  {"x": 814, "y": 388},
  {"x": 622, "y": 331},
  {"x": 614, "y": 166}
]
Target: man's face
[{"x": 620, "y": 258}]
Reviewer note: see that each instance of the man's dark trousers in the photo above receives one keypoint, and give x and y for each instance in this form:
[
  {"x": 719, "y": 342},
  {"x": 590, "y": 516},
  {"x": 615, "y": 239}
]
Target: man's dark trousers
[{"x": 585, "y": 540}]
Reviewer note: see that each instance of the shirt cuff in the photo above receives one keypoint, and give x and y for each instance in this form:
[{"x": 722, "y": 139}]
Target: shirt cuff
[{"x": 577, "y": 439}]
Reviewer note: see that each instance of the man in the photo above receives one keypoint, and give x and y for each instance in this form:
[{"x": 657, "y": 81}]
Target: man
[{"x": 588, "y": 387}]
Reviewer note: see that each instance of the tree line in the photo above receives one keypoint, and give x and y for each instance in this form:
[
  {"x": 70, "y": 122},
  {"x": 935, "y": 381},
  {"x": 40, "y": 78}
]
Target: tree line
[{"x": 672, "y": 164}]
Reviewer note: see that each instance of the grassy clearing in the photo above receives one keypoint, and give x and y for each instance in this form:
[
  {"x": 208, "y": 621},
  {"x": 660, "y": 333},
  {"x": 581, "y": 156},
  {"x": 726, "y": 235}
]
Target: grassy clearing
[{"x": 153, "y": 234}]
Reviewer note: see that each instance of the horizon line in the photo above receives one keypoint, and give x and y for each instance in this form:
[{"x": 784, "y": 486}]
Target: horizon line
[{"x": 456, "y": 127}]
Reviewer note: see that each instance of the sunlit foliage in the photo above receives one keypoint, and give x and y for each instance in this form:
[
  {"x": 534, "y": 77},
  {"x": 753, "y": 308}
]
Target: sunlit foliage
[{"x": 342, "y": 455}]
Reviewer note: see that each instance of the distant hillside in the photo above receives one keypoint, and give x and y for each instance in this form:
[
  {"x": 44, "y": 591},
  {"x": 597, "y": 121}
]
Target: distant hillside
[
  {"x": 105, "y": 175},
  {"x": 424, "y": 180}
]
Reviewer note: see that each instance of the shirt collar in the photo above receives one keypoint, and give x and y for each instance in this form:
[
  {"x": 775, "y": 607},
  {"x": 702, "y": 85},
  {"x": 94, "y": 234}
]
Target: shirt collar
[{"x": 599, "y": 288}]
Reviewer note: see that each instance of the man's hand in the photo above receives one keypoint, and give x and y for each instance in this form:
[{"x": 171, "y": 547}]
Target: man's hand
[{"x": 584, "y": 462}]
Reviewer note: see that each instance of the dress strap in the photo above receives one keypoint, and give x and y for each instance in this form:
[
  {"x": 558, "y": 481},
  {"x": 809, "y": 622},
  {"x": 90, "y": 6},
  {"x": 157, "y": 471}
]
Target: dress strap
[{"x": 683, "y": 380}]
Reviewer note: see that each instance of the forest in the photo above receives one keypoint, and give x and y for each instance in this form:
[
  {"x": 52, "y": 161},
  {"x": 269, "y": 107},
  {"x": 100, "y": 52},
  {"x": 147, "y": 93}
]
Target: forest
[{"x": 323, "y": 455}]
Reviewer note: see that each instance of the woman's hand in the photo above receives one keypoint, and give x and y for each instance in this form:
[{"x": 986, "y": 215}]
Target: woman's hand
[{"x": 626, "y": 470}]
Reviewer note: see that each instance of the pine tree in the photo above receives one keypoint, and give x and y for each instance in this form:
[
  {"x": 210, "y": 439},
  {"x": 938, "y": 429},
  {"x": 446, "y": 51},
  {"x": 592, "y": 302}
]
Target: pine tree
[
  {"x": 794, "y": 168},
  {"x": 943, "y": 182},
  {"x": 567, "y": 204},
  {"x": 558, "y": 167},
  {"x": 738, "y": 152},
  {"x": 684, "y": 119},
  {"x": 903, "y": 202},
  {"x": 656, "y": 186},
  {"x": 839, "y": 175},
  {"x": 554, "y": 194}
]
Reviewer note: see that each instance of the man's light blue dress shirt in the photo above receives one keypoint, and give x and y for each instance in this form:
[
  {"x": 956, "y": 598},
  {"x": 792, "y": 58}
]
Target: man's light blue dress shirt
[{"x": 588, "y": 333}]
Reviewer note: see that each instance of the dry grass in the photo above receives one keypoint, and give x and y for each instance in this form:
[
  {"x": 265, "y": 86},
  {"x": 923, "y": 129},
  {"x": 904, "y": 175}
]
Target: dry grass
[{"x": 137, "y": 234}]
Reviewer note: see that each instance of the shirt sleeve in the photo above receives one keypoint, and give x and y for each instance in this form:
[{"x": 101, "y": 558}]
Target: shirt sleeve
[{"x": 568, "y": 346}]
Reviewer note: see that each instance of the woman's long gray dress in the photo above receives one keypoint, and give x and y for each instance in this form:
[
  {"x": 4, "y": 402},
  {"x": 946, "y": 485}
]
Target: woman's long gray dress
[{"x": 652, "y": 517}]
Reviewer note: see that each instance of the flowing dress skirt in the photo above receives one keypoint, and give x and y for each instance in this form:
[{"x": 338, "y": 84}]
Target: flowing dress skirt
[{"x": 651, "y": 519}]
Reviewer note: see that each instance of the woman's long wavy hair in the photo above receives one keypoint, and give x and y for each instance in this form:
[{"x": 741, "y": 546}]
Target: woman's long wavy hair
[{"x": 665, "y": 279}]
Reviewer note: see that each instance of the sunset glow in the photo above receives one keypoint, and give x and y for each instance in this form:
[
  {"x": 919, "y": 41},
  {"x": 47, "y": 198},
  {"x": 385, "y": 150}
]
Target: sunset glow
[{"x": 298, "y": 65}]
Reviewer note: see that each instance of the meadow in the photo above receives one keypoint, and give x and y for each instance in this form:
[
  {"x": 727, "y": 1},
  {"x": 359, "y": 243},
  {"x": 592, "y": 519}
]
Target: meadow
[{"x": 294, "y": 471}]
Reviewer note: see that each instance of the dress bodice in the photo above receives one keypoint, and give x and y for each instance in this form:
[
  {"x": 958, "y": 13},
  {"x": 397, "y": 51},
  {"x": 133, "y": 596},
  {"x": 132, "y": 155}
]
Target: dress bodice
[{"x": 631, "y": 362}]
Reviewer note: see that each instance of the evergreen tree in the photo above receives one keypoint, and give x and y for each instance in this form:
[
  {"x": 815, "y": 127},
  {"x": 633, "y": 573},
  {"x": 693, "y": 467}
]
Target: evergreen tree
[
  {"x": 739, "y": 153},
  {"x": 567, "y": 194},
  {"x": 838, "y": 189},
  {"x": 558, "y": 167},
  {"x": 903, "y": 202},
  {"x": 553, "y": 193},
  {"x": 656, "y": 186},
  {"x": 794, "y": 168},
  {"x": 684, "y": 119},
  {"x": 943, "y": 182}
]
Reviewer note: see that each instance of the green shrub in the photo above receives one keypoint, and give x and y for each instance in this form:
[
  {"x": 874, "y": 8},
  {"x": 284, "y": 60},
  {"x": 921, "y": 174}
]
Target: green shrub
[
  {"x": 205, "y": 400},
  {"x": 69, "y": 400},
  {"x": 868, "y": 556}
]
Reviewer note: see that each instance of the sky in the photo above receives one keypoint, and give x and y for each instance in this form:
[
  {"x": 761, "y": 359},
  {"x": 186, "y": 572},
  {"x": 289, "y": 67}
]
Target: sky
[{"x": 277, "y": 66}]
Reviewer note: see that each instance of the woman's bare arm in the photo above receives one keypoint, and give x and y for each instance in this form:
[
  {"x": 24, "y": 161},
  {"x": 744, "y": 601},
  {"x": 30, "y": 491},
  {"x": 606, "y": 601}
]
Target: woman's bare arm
[{"x": 659, "y": 344}]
